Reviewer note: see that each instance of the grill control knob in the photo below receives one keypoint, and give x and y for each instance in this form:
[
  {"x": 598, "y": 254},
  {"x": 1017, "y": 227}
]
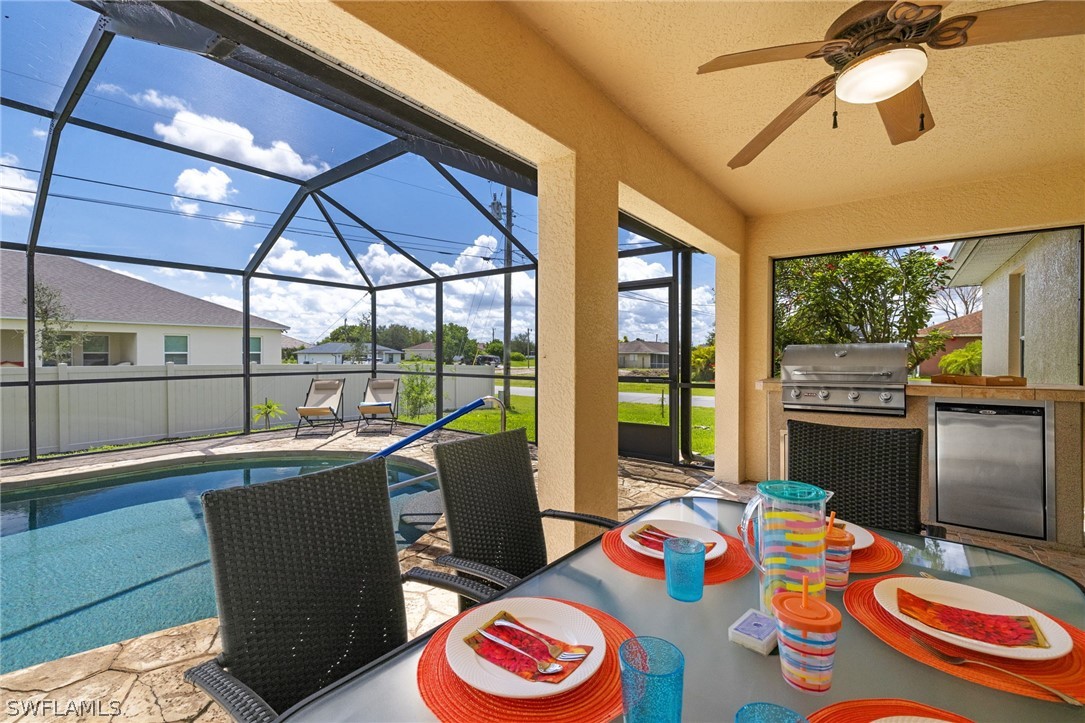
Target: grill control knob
[
  {"x": 886, "y": 397},
  {"x": 853, "y": 396},
  {"x": 823, "y": 394},
  {"x": 795, "y": 394}
]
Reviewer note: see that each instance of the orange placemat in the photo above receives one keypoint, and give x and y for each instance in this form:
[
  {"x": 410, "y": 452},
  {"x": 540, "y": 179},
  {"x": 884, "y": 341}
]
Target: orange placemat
[
  {"x": 882, "y": 556},
  {"x": 599, "y": 698},
  {"x": 870, "y": 709},
  {"x": 1063, "y": 673},
  {"x": 731, "y": 565}
]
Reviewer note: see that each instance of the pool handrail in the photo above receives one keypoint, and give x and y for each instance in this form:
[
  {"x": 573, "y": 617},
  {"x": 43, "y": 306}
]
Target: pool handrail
[{"x": 414, "y": 436}]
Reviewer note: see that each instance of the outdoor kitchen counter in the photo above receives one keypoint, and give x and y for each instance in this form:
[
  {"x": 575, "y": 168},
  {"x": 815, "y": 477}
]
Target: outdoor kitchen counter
[{"x": 1069, "y": 402}]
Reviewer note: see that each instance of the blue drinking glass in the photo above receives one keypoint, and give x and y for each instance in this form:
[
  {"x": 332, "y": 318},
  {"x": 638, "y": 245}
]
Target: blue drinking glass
[
  {"x": 652, "y": 670},
  {"x": 767, "y": 713},
  {"x": 683, "y": 561}
]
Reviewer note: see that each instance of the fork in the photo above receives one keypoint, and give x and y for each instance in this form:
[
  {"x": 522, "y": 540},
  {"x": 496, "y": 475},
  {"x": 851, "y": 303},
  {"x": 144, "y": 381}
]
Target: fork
[
  {"x": 954, "y": 660},
  {"x": 555, "y": 650},
  {"x": 542, "y": 666}
]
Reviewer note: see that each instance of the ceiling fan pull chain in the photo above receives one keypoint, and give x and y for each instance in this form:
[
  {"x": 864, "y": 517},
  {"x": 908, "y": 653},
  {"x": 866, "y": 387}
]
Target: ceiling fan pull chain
[
  {"x": 834, "y": 112},
  {"x": 922, "y": 116}
]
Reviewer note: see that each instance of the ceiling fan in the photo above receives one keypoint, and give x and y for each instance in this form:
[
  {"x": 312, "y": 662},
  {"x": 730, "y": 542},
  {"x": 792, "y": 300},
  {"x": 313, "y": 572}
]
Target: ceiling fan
[{"x": 875, "y": 50}]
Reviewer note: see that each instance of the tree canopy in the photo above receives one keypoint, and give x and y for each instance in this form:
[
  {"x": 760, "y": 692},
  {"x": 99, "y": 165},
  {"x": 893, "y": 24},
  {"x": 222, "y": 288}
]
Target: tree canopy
[{"x": 863, "y": 296}]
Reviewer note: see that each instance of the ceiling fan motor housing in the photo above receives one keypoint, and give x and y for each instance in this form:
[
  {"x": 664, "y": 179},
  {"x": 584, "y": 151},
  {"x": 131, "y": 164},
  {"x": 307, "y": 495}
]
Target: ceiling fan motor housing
[{"x": 867, "y": 27}]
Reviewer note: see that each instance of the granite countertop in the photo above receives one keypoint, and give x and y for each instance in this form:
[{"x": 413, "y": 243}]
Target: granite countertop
[{"x": 1042, "y": 392}]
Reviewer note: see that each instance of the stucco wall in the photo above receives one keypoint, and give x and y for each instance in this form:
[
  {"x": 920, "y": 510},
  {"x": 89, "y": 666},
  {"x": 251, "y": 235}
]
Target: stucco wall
[{"x": 1051, "y": 265}]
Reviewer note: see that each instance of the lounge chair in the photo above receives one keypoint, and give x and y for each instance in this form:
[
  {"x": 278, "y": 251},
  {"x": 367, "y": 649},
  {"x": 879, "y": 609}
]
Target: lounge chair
[
  {"x": 381, "y": 403},
  {"x": 325, "y": 399}
]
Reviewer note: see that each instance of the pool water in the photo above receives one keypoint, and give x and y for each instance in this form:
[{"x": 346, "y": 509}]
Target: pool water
[{"x": 94, "y": 562}]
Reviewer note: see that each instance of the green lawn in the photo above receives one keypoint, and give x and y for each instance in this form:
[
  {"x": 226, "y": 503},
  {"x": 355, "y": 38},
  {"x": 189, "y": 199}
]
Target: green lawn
[
  {"x": 655, "y": 388},
  {"x": 522, "y": 414}
]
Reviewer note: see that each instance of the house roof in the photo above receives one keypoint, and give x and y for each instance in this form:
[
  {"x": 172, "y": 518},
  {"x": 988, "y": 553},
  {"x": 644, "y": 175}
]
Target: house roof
[
  {"x": 336, "y": 347},
  {"x": 424, "y": 346},
  {"x": 967, "y": 325},
  {"x": 289, "y": 342},
  {"x": 640, "y": 346},
  {"x": 92, "y": 293}
]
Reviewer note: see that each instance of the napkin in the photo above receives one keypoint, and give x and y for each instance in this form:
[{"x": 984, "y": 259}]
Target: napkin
[
  {"x": 652, "y": 537},
  {"x": 1014, "y": 631},
  {"x": 519, "y": 664}
]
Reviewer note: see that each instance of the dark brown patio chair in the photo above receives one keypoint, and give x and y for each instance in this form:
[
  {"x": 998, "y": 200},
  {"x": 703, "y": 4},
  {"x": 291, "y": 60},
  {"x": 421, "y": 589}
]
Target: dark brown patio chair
[
  {"x": 492, "y": 509},
  {"x": 874, "y": 474},
  {"x": 308, "y": 586}
]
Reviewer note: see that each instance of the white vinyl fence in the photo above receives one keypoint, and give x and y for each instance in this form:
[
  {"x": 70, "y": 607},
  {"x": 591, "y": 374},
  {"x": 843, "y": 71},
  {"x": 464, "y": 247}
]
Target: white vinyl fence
[{"x": 77, "y": 416}]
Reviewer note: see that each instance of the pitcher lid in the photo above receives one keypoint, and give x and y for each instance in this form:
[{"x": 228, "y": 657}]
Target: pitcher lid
[{"x": 792, "y": 491}]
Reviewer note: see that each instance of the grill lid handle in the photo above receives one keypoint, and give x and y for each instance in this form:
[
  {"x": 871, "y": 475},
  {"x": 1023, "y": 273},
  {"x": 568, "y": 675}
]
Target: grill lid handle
[{"x": 800, "y": 372}]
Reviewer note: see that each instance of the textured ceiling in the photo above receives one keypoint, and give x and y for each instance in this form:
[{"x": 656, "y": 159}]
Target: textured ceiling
[{"x": 1000, "y": 109}]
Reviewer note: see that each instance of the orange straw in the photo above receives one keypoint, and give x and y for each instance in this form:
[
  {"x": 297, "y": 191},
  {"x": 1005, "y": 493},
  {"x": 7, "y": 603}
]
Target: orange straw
[
  {"x": 832, "y": 519},
  {"x": 805, "y": 585}
]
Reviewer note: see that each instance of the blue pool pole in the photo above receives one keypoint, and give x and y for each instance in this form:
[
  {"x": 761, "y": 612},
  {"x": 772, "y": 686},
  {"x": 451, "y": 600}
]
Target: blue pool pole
[{"x": 429, "y": 428}]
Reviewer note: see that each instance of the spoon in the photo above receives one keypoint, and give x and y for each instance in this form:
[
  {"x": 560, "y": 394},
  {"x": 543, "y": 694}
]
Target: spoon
[
  {"x": 543, "y": 667},
  {"x": 555, "y": 651},
  {"x": 954, "y": 660}
]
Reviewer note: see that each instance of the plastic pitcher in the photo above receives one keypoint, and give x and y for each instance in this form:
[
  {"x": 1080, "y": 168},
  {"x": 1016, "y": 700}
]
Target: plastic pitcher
[{"x": 787, "y": 539}]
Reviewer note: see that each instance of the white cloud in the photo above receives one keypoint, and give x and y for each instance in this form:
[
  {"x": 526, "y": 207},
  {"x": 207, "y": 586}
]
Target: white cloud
[
  {"x": 312, "y": 311},
  {"x": 225, "y": 138},
  {"x": 122, "y": 272},
  {"x": 149, "y": 98},
  {"x": 189, "y": 208},
  {"x": 180, "y": 273},
  {"x": 17, "y": 189},
  {"x": 635, "y": 268},
  {"x": 211, "y": 185},
  {"x": 40, "y": 133},
  {"x": 234, "y": 219}
]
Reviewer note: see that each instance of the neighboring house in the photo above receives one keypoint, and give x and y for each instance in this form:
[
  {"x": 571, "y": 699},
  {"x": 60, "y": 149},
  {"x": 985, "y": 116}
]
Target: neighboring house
[
  {"x": 334, "y": 352},
  {"x": 1031, "y": 306},
  {"x": 124, "y": 320},
  {"x": 289, "y": 342},
  {"x": 425, "y": 350},
  {"x": 640, "y": 354},
  {"x": 964, "y": 329}
]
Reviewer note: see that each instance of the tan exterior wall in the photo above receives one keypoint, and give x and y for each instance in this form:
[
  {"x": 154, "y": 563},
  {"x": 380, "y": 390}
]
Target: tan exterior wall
[
  {"x": 1045, "y": 198},
  {"x": 1051, "y": 266}
]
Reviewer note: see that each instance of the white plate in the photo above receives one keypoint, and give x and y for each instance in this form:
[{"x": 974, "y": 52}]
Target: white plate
[
  {"x": 547, "y": 616},
  {"x": 678, "y": 529},
  {"x": 971, "y": 598},
  {"x": 863, "y": 538}
]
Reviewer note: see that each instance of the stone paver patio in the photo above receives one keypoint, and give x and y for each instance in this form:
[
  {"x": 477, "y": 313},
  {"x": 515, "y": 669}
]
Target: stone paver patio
[{"x": 141, "y": 679}]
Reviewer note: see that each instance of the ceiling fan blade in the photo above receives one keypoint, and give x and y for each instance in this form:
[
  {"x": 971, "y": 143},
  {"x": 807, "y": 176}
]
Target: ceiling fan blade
[
  {"x": 782, "y": 122},
  {"x": 901, "y": 114},
  {"x": 813, "y": 49},
  {"x": 913, "y": 12},
  {"x": 1016, "y": 22}
]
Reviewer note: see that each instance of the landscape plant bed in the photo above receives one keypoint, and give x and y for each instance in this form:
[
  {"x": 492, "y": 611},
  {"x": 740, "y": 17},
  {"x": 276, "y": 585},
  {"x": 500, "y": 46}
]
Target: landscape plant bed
[{"x": 979, "y": 380}]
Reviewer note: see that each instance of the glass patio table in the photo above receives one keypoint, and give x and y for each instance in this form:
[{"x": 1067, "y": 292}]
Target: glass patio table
[{"x": 721, "y": 676}]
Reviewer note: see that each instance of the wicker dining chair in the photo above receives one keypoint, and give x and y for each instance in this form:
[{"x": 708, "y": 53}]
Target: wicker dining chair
[
  {"x": 874, "y": 474},
  {"x": 308, "y": 586},
  {"x": 492, "y": 509}
]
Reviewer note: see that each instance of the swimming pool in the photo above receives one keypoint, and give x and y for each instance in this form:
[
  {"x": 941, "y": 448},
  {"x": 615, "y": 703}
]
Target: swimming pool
[{"x": 88, "y": 563}]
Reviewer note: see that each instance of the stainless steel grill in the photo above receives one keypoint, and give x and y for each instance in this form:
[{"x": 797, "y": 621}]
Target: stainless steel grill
[{"x": 853, "y": 378}]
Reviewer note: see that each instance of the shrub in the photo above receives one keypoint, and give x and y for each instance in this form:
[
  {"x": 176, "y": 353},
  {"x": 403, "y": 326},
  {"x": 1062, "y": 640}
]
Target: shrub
[
  {"x": 516, "y": 356},
  {"x": 416, "y": 392},
  {"x": 966, "y": 360}
]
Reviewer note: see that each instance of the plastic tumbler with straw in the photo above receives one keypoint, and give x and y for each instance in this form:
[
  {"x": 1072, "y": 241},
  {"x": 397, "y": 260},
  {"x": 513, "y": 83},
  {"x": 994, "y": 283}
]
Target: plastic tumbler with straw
[
  {"x": 838, "y": 546},
  {"x": 807, "y": 629}
]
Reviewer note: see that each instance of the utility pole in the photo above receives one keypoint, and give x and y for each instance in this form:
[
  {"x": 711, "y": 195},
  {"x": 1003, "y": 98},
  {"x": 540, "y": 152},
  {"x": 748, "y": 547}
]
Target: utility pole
[{"x": 496, "y": 206}]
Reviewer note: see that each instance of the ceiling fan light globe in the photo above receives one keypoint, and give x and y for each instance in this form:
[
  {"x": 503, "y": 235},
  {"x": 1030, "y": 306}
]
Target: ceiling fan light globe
[{"x": 882, "y": 74}]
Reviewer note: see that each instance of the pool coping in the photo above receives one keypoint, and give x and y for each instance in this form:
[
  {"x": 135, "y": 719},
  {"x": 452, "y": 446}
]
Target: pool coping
[{"x": 47, "y": 479}]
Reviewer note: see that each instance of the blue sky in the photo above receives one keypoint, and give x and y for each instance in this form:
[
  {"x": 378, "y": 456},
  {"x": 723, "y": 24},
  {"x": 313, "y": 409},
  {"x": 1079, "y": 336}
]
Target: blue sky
[{"x": 115, "y": 196}]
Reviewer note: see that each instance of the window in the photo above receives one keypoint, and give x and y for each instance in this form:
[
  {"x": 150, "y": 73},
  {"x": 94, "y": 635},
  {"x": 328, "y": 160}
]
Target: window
[
  {"x": 255, "y": 349},
  {"x": 176, "y": 349},
  {"x": 96, "y": 351}
]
